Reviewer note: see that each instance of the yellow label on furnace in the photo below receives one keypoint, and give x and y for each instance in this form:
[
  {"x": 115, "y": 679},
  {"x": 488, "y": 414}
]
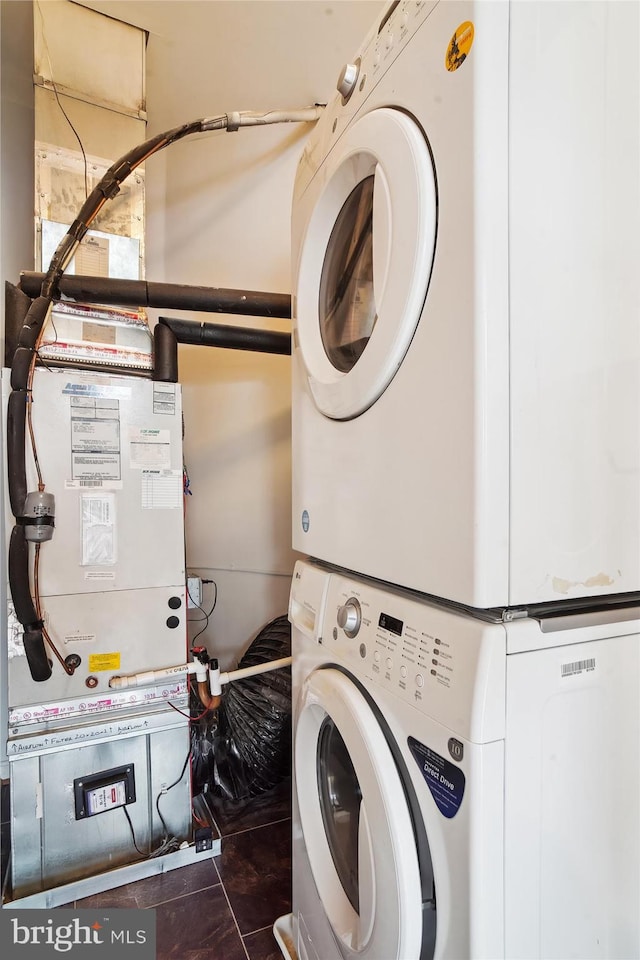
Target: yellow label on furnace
[
  {"x": 104, "y": 661},
  {"x": 459, "y": 46}
]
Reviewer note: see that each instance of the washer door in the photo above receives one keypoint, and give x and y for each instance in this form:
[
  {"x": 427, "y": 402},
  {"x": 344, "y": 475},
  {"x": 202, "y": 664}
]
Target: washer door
[
  {"x": 356, "y": 823},
  {"x": 366, "y": 261}
]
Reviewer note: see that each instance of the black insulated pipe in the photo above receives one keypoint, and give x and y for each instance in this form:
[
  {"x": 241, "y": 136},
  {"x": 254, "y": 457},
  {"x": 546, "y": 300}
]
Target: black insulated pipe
[
  {"x": 39, "y": 663},
  {"x": 19, "y": 577},
  {"x": 16, "y": 307},
  {"x": 163, "y": 296},
  {"x": 34, "y": 648},
  {"x": 233, "y": 338},
  {"x": 16, "y": 473},
  {"x": 165, "y": 354}
]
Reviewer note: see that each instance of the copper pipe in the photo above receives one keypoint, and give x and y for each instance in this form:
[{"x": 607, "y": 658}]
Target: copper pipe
[
  {"x": 36, "y": 584},
  {"x": 207, "y": 699}
]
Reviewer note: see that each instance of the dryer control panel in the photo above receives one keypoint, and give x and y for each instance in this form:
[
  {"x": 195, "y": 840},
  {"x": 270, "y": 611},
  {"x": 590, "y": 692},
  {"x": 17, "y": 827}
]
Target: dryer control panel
[
  {"x": 388, "y": 36},
  {"x": 447, "y": 665}
]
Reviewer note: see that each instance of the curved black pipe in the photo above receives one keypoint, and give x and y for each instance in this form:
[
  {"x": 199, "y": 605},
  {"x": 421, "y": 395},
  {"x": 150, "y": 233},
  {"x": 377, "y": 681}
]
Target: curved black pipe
[
  {"x": 16, "y": 475},
  {"x": 20, "y": 368},
  {"x": 39, "y": 664},
  {"x": 233, "y": 338},
  {"x": 19, "y": 578},
  {"x": 165, "y": 354},
  {"x": 164, "y": 296},
  {"x": 16, "y": 307},
  {"x": 36, "y": 315},
  {"x": 34, "y": 647}
]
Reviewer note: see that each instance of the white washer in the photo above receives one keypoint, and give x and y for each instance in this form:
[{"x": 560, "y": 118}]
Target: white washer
[
  {"x": 466, "y": 239},
  {"x": 463, "y": 788}
]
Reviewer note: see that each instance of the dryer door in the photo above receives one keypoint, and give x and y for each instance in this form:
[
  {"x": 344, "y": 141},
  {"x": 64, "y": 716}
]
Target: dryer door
[
  {"x": 356, "y": 823},
  {"x": 365, "y": 261}
]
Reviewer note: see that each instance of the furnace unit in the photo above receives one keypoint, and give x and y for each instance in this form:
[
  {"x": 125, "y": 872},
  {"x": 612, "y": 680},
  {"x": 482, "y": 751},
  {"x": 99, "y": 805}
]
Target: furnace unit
[{"x": 100, "y": 777}]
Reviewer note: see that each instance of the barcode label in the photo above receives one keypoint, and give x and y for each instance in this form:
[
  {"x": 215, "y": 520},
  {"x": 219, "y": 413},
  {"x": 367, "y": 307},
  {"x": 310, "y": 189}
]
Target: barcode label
[
  {"x": 90, "y": 483},
  {"x": 579, "y": 666}
]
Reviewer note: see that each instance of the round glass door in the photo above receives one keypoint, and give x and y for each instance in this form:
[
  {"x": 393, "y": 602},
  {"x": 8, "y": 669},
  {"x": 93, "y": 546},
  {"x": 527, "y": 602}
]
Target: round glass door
[
  {"x": 340, "y": 799},
  {"x": 347, "y": 305},
  {"x": 365, "y": 261},
  {"x": 356, "y": 823}
]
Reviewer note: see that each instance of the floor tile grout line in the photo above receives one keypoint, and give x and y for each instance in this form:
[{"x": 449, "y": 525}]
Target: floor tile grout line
[
  {"x": 269, "y": 926},
  {"x": 182, "y": 896},
  {"x": 216, "y": 825},
  {"x": 232, "y": 912},
  {"x": 271, "y": 823}
]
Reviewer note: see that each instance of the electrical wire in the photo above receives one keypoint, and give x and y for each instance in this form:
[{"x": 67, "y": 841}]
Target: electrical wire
[
  {"x": 199, "y": 820},
  {"x": 168, "y": 843},
  {"x": 133, "y": 836},
  {"x": 188, "y": 715},
  {"x": 69, "y": 670},
  {"x": 64, "y": 112},
  {"x": 202, "y": 610}
]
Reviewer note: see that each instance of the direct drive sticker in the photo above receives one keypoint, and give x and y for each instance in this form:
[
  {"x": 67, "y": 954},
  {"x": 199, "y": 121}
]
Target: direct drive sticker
[
  {"x": 459, "y": 46},
  {"x": 445, "y": 780}
]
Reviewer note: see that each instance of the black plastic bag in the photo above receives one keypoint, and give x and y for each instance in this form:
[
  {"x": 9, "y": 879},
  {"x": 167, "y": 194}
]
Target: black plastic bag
[{"x": 244, "y": 749}]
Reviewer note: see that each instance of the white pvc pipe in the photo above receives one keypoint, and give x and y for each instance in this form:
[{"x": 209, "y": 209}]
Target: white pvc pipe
[
  {"x": 155, "y": 676},
  {"x": 258, "y": 668},
  {"x": 215, "y": 677}
]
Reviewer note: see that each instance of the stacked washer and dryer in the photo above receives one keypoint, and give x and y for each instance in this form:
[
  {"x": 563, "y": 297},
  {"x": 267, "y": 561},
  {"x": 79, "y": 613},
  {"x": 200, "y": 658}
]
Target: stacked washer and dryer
[{"x": 466, "y": 466}]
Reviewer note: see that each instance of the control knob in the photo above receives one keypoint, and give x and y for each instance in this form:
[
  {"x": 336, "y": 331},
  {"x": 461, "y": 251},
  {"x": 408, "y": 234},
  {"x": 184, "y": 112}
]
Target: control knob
[
  {"x": 347, "y": 79},
  {"x": 350, "y": 616}
]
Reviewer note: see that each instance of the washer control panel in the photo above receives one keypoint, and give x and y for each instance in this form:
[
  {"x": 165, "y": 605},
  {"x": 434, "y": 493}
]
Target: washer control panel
[
  {"x": 402, "y": 650},
  {"x": 446, "y": 664}
]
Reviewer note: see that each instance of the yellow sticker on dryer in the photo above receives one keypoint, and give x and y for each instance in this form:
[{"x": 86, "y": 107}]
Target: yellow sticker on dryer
[
  {"x": 103, "y": 661},
  {"x": 459, "y": 46}
]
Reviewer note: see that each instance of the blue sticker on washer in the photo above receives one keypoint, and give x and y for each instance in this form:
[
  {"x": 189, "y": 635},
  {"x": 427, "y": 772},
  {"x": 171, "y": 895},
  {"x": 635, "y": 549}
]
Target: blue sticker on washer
[
  {"x": 445, "y": 781},
  {"x": 305, "y": 520}
]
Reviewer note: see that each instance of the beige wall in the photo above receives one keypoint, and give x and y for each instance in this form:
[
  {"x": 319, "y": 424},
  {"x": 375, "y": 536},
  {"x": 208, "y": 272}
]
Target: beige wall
[{"x": 218, "y": 209}]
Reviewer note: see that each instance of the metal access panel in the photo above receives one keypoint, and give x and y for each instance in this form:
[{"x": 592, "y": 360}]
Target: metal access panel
[
  {"x": 112, "y": 578},
  {"x": 113, "y": 633},
  {"x": 51, "y": 844}
]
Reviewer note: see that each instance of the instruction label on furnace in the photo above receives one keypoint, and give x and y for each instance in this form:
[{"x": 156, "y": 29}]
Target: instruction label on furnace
[
  {"x": 95, "y": 441},
  {"x": 98, "y": 529},
  {"x": 162, "y": 490},
  {"x": 445, "y": 780},
  {"x": 164, "y": 398},
  {"x": 104, "y": 661},
  {"x": 149, "y": 449}
]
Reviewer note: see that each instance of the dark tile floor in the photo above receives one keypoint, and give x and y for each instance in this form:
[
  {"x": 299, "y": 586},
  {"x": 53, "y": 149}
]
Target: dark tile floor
[{"x": 221, "y": 908}]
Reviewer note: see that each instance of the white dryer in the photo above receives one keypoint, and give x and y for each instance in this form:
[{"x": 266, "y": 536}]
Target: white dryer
[
  {"x": 466, "y": 240},
  {"x": 463, "y": 789}
]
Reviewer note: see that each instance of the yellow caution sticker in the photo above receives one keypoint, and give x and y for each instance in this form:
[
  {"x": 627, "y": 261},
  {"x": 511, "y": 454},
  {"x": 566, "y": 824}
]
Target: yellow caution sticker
[
  {"x": 459, "y": 46},
  {"x": 103, "y": 661}
]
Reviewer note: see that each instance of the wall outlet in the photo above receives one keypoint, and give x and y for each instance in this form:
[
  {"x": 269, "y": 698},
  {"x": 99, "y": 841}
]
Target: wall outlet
[
  {"x": 204, "y": 839},
  {"x": 194, "y": 592}
]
